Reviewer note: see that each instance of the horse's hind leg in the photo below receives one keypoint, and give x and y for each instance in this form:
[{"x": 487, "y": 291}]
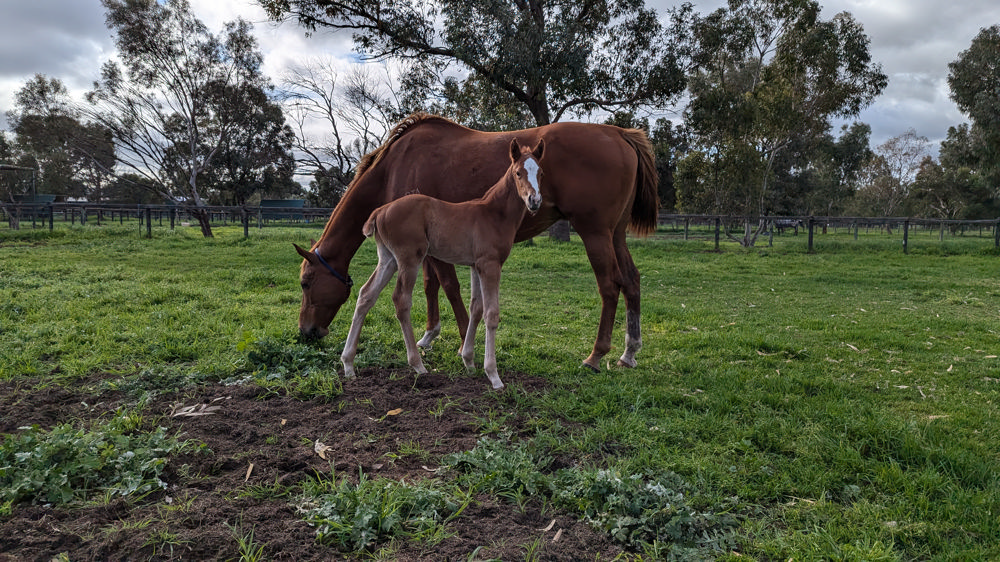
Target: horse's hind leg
[
  {"x": 601, "y": 253},
  {"x": 366, "y": 300},
  {"x": 402, "y": 298},
  {"x": 630, "y": 288}
]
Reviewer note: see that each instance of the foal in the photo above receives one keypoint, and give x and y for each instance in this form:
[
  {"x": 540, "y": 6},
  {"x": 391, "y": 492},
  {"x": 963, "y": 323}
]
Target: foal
[{"x": 478, "y": 233}]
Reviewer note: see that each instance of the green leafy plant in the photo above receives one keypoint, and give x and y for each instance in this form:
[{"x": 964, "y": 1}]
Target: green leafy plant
[
  {"x": 298, "y": 369},
  {"x": 66, "y": 464},
  {"x": 638, "y": 511},
  {"x": 356, "y": 516}
]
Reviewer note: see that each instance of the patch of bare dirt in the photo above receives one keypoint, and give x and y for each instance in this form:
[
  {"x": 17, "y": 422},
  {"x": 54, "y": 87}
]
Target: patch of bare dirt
[{"x": 259, "y": 440}]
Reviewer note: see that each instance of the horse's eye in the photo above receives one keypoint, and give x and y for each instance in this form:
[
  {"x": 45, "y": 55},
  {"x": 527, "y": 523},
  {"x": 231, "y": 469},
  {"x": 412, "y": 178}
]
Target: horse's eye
[{"x": 305, "y": 286}]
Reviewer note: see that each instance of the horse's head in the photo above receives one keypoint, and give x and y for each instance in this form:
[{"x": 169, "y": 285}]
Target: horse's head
[
  {"x": 527, "y": 173},
  {"x": 324, "y": 291}
]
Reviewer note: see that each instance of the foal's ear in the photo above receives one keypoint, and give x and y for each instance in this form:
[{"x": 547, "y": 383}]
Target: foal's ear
[
  {"x": 515, "y": 150},
  {"x": 303, "y": 252},
  {"x": 539, "y": 149}
]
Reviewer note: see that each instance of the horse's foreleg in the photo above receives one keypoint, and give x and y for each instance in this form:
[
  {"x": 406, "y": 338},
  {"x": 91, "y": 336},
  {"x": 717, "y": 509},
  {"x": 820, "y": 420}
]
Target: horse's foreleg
[
  {"x": 366, "y": 300},
  {"x": 468, "y": 351},
  {"x": 630, "y": 288},
  {"x": 601, "y": 253},
  {"x": 402, "y": 298},
  {"x": 431, "y": 286},
  {"x": 490, "y": 287}
]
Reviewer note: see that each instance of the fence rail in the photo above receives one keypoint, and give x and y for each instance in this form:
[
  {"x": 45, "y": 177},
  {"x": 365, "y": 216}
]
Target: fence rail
[
  {"x": 47, "y": 214},
  {"x": 717, "y": 227},
  {"x": 723, "y": 225}
]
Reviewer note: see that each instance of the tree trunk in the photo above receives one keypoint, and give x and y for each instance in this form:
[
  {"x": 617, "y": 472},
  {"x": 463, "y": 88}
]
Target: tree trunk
[
  {"x": 204, "y": 221},
  {"x": 559, "y": 231}
]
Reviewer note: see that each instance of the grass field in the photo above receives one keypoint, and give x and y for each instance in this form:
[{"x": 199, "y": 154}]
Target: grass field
[{"x": 839, "y": 405}]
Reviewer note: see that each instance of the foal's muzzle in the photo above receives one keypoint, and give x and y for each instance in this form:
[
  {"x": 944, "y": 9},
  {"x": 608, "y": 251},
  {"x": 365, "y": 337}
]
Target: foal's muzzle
[{"x": 534, "y": 203}]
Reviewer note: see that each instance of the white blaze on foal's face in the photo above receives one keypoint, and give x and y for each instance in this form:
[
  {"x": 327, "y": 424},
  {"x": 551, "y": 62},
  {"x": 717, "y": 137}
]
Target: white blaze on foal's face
[{"x": 532, "y": 169}]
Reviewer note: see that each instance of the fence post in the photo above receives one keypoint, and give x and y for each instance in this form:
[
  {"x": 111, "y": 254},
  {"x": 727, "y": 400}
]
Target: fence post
[
  {"x": 906, "y": 236},
  {"x": 149, "y": 222},
  {"x": 686, "y": 223},
  {"x": 51, "y": 215},
  {"x": 718, "y": 225},
  {"x": 996, "y": 234},
  {"x": 811, "y": 222},
  {"x": 246, "y": 222}
]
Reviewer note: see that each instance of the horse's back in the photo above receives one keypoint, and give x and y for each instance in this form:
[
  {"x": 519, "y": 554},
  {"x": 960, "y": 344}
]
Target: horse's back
[{"x": 593, "y": 172}]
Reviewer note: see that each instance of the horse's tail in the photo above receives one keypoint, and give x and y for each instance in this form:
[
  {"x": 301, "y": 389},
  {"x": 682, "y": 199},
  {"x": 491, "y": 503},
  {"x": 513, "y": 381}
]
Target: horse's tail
[{"x": 646, "y": 205}]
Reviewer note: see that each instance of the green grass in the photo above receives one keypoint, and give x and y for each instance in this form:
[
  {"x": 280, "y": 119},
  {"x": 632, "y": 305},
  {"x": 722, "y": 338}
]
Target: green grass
[{"x": 837, "y": 405}]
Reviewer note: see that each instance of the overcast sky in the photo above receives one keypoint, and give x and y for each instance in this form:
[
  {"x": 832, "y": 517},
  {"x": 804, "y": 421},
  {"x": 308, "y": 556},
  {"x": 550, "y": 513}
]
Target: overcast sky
[{"x": 914, "y": 40}]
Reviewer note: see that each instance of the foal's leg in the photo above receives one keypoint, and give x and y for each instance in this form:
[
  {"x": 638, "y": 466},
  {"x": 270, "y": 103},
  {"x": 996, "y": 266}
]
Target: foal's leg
[
  {"x": 431, "y": 287},
  {"x": 601, "y": 253},
  {"x": 402, "y": 298},
  {"x": 468, "y": 351},
  {"x": 440, "y": 274},
  {"x": 630, "y": 288},
  {"x": 366, "y": 300},
  {"x": 490, "y": 287}
]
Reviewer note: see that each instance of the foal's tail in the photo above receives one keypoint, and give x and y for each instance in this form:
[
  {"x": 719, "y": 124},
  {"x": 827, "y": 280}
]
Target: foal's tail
[
  {"x": 370, "y": 225},
  {"x": 646, "y": 205}
]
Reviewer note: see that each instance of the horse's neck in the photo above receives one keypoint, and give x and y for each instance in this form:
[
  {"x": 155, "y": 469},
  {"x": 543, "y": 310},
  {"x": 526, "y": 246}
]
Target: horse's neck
[{"x": 342, "y": 236}]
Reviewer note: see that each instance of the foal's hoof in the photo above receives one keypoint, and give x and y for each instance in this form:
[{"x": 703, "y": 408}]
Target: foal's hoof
[{"x": 624, "y": 363}]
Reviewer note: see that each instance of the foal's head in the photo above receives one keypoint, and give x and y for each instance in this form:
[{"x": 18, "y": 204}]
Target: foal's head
[{"x": 527, "y": 173}]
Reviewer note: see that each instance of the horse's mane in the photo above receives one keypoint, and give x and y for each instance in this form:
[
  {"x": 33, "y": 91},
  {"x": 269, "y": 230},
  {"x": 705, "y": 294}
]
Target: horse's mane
[
  {"x": 374, "y": 157},
  {"x": 370, "y": 160}
]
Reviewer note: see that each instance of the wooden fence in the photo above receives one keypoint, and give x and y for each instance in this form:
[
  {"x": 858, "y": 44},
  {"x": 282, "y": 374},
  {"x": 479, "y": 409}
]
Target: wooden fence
[
  {"x": 46, "y": 215},
  {"x": 721, "y": 226},
  {"x": 713, "y": 227}
]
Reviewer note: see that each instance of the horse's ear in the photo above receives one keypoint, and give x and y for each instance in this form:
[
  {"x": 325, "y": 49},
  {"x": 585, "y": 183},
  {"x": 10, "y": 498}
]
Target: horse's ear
[
  {"x": 303, "y": 252},
  {"x": 539, "y": 149},
  {"x": 515, "y": 150}
]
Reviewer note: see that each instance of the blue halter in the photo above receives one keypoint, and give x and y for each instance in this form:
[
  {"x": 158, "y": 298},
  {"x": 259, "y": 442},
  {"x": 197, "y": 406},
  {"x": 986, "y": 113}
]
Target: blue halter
[{"x": 345, "y": 280}]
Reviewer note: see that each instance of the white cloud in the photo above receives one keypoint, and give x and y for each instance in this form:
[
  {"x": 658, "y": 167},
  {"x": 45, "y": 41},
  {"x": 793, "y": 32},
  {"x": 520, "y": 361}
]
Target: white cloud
[{"x": 913, "y": 39}]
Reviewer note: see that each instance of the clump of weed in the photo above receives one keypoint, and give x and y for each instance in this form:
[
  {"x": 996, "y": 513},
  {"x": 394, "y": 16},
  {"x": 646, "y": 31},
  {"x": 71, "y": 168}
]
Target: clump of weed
[
  {"x": 67, "y": 464},
  {"x": 642, "y": 512},
  {"x": 288, "y": 367},
  {"x": 357, "y": 516}
]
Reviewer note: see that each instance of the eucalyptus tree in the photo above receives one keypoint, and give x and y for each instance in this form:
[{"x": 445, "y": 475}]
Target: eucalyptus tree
[
  {"x": 770, "y": 74},
  {"x": 974, "y": 79},
  {"x": 888, "y": 178},
  {"x": 550, "y": 57},
  {"x": 166, "y": 102},
  {"x": 73, "y": 157}
]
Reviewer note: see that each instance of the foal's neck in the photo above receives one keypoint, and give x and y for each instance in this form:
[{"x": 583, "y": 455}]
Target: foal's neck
[{"x": 504, "y": 200}]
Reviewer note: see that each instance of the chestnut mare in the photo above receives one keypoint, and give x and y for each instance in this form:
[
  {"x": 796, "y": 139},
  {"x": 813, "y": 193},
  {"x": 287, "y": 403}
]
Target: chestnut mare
[
  {"x": 478, "y": 233},
  {"x": 600, "y": 177}
]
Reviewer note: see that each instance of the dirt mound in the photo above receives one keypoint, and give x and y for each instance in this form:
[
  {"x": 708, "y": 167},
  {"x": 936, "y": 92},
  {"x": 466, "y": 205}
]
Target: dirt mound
[{"x": 388, "y": 424}]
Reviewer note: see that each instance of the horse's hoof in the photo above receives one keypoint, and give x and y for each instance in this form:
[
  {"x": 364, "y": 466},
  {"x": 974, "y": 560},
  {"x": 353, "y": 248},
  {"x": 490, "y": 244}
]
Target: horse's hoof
[
  {"x": 592, "y": 368},
  {"x": 623, "y": 363}
]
